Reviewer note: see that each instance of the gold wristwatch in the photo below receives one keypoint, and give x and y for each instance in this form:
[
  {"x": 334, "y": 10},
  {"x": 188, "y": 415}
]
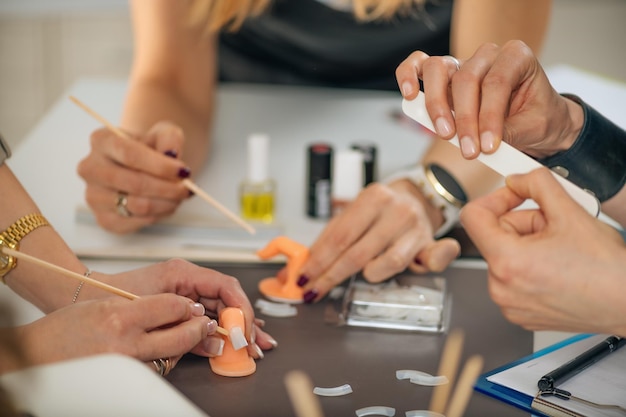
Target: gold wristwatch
[{"x": 11, "y": 237}]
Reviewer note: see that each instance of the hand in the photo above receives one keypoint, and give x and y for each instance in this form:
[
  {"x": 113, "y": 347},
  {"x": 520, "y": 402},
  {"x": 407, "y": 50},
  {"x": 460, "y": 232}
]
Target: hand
[
  {"x": 550, "y": 268},
  {"x": 386, "y": 229},
  {"x": 497, "y": 94},
  {"x": 146, "y": 170},
  {"x": 152, "y": 327},
  {"x": 211, "y": 288}
]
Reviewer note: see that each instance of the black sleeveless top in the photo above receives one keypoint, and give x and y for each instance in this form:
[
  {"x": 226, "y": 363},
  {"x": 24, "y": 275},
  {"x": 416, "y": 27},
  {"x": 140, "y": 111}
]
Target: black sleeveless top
[{"x": 304, "y": 42}]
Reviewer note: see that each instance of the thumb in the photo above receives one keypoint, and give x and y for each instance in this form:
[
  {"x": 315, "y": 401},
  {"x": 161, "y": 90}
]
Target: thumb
[
  {"x": 541, "y": 186},
  {"x": 165, "y": 137},
  {"x": 436, "y": 256}
]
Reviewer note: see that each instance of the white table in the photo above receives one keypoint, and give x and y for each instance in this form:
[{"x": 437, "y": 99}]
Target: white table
[{"x": 46, "y": 160}]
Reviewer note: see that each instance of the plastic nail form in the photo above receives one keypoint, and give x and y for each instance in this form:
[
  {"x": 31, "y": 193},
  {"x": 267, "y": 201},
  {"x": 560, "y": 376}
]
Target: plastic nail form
[
  {"x": 276, "y": 309},
  {"x": 376, "y": 410},
  {"x": 333, "y": 392},
  {"x": 421, "y": 378},
  {"x": 422, "y": 413}
]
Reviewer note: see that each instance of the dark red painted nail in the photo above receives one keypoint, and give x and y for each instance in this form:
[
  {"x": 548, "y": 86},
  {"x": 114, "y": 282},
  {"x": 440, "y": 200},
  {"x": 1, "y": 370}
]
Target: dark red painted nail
[
  {"x": 310, "y": 296},
  {"x": 302, "y": 280},
  {"x": 184, "y": 172}
]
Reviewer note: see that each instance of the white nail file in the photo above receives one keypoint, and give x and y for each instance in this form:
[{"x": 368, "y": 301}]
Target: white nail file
[{"x": 506, "y": 160}]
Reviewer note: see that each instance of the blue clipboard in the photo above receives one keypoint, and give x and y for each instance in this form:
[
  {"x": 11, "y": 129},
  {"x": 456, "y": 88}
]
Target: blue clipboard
[{"x": 510, "y": 396}]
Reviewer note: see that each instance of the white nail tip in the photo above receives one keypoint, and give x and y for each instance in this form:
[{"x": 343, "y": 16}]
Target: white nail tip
[
  {"x": 376, "y": 410},
  {"x": 333, "y": 392},
  {"x": 421, "y": 378},
  {"x": 422, "y": 413},
  {"x": 237, "y": 338},
  {"x": 272, "y": 309}
]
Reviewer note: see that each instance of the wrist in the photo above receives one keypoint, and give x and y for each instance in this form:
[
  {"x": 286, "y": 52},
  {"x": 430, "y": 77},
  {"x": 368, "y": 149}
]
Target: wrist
[
  {"x": 435, "y": 216},
  {"x": 439, "y": 192},
  {"x": 596, "y": 160}
]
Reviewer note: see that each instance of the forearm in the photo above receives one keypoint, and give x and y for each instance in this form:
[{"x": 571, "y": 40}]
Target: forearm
[
  {"x": 173, "y": 76},
  {"x": 46, "y": 290},
  {"x": 476, "y": 22}
]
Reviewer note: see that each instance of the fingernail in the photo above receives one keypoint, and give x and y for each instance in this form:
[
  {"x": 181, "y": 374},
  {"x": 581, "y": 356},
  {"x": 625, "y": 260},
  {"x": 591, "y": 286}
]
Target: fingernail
[
  {"x": 302, "y": 280},
  {"x": 211, "y": 327},
  {"x": 171, "y": 153},
  {"x": 184, "y": 172},
  {"x": 258, "y": 350},
  {"x": 467, "y": 147},
  {"x": 214, "y": 346},
  {"x": 487, "y": 141},
  {"x": 309, "y": 296},
  {"x": 442, "y": 127},
  {"x": 273, "y": 342},
  {"x": 418, "y": 261},
  {"x": 407, "y": 88},
  {"x": 197, "y": 310}
]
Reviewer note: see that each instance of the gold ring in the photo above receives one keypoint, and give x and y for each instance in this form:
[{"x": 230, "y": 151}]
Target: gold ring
[
  {"x": 163, "y": 366},
  {"x": 121, "y": 204}
]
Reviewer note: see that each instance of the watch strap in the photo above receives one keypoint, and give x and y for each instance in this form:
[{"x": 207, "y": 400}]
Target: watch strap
[
  {"x": 16, "y": 232},
  {"x": 432, "y": 188}
]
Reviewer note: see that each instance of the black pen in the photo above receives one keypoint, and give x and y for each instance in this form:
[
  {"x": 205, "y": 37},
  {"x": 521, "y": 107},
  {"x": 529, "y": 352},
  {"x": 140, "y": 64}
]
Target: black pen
[{"x": 580, "y": 362}]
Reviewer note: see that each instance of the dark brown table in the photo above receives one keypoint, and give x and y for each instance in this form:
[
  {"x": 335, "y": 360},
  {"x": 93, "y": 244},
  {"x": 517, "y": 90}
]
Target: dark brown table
[{"x": 364, "y": 358}]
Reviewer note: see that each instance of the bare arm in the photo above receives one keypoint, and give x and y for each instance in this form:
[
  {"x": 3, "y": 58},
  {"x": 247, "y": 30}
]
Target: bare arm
[
  {"x": 173, "y": 75},
  {"x": 31, "y": 282}
]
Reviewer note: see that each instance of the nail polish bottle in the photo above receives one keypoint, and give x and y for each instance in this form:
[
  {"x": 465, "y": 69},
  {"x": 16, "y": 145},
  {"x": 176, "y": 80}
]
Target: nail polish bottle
[
  {"x": 319, "y": 166},
  {"x": 257, "y": 190},
  {"x": 370, "y": 167},
  {"x": 347, "y": 178}
]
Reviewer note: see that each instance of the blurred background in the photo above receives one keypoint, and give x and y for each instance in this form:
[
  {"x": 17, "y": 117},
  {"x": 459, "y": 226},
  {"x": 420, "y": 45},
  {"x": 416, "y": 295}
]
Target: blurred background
[{"x": 46, "y": 45}]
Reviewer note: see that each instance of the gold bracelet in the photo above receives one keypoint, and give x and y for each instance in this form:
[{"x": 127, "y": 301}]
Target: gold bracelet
[
  {"x": 80, "y": 286},
  {"x": 12, "y": 236}
]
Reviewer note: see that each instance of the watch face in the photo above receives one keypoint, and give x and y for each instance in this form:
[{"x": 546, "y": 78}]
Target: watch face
[{"x": 6, "y": 261}]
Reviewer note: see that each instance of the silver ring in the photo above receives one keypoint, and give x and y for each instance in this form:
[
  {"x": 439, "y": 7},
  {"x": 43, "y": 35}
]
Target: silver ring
[
  {"x": 162, "y": 366},
  {"x": 121, "y": 204},
  {"x": 454, "y": 61}
]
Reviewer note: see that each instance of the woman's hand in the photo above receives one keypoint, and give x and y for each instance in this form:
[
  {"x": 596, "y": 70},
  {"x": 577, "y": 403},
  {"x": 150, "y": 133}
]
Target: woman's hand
[
  {"x": 555, "y": 267},
  {"x": 146, "y": 171},
  {"x": 208, "y": 287},
  {"x": 385, "y": 230},
  {"x": 500, "y": 93},
  {"x": 152, "y": 327}
]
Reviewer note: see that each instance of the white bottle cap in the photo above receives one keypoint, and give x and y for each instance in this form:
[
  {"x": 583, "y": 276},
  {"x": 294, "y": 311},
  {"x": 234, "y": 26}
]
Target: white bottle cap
[
  {"x": 347, "y": 175},
  {"x": 258, "y": 157}
]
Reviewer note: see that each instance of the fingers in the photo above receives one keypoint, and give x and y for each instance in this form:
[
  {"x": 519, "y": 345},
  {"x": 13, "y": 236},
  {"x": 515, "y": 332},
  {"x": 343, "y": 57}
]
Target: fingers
[
  {"x": 131, "y": 166},
  {"x": 345, "y": 230},
  {"x": 436, "y": 256},
  {"x": 481, "y": 219},
  {"x": 378, "y": 233},
  {"x": 436, "y": 73},
  {"x": 466, "y": 86},
  {"x": 148, "y": 175},
  {"x": 172, "y": 325},
  {"x": 408, "y": 74},
  {"x": 541, "y": 186},
  {"x": 500, "y": 93}
]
